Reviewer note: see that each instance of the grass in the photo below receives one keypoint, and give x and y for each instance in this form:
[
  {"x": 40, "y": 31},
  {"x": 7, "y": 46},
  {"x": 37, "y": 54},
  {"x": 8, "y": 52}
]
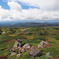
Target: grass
[{"x": 33, "y": 40}]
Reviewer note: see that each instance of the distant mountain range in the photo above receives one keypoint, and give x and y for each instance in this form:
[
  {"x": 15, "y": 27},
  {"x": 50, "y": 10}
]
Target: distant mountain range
[{"x": 28, "y": 23}]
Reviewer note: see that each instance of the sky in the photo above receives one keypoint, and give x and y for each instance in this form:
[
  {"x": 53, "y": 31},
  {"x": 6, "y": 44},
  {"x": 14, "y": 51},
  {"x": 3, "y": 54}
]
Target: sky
[{"x": 29, "y": 10}]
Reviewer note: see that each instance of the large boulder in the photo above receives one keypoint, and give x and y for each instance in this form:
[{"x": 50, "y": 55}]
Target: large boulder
[
  {"x": 26, "y": 46},
  {"x": 42, "y": 44},
  {"x": 35, "y": 53},
  {"x": 48, "y": 54},
  {"x": 12, "y": 54}
]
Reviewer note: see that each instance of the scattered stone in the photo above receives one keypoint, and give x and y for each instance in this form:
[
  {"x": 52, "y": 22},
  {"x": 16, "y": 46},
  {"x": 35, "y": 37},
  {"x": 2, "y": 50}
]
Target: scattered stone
[
  {"x": 3, "y": 32},
  {"x": 48, "y": 54},
  {"x": 42, "y": 44},
  {"x": 19, "y": 55},
  {"x": 29, "y": 32},
  {"x": 26, "y": 46},
  {"x": 33, "y": 47},
  {"x": 12, "y": 54},
  {"x": 23, "y": 29},
  {"x": 12, "y": 50},
  {"x": 21, "y": 50},
  {"x": 17, "y": 45},
  {"x": 35, "y": 53},
  {"x": 19, "y": 40},
  {"x": 34, "y": 50}
]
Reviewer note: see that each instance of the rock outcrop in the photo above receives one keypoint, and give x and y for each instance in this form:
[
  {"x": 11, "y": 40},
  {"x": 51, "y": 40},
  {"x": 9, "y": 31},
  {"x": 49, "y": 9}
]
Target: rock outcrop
[
  {"x": 35, "y": 53},
  {"x": 19, "y": 55},
  {"x": 34, "y": 50},
  {"x": 21, "y": 50},
  {"x": 12, "y": 50},
  {"x": 26, "y": 46},
  {"x": 42, "y": 44},
  {"x": 12, "y": 54},
  {"x": 17, "y": 44},
  {"x": 48, "y": 54}
]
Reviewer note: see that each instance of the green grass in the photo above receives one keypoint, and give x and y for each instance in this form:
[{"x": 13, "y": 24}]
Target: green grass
[{"x": 54, "y": 35}]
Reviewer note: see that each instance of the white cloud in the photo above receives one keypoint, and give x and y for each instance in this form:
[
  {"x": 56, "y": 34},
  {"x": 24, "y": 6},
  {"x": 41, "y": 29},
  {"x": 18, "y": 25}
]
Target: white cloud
[
  {"x": 48, "y": 10},
  {"x": 42, "y": 4},
  {"x": 15, "y": 6},
  {"x": 12, "y": 14}
]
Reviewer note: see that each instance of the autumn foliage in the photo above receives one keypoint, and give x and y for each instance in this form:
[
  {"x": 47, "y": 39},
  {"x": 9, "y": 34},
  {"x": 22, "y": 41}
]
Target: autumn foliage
[
  {"x": 3, "y": 57},
  {"x": 10, "y": 41}
]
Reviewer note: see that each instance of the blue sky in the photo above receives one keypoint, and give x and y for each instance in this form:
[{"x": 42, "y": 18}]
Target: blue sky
[
  {"x": 5, "y": 6},
  {"x": 29, "y": 9}
]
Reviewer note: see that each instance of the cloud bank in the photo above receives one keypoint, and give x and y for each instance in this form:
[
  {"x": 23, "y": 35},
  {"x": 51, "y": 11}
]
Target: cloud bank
[{"x": 48, "y": 10}]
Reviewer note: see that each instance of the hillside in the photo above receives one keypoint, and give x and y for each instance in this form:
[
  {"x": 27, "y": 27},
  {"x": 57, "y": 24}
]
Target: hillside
[
  {"x": 28, "y": 24},
  {"x": 33, "y": 36}
]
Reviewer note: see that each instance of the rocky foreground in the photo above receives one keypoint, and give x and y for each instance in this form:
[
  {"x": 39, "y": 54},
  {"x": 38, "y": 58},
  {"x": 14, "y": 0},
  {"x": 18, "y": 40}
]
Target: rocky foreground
[{"x": 34, "y": 51}]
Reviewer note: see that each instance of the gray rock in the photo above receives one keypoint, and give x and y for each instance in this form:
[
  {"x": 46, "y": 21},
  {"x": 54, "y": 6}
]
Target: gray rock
[
  {"x": 19, "y": 40},
  {"x": 35, "y": 53},
  {"x": 48, "y": 54},
  {"x": 13, "y": 53},
  {"x": 3, "y": 32},
  {"x": 21, "y": 50},
  {"x": 29, "y": 32},
  {"x": 33, "y": 47},
  {"x": 44, "y": 42},
  {"x": 12, "y": 50},
  {"x": 26, "y": 46},
  {"x": 41, "y": 45},
  {"x": 17, "y": 45},
  {"x": 19, "y": 55}
]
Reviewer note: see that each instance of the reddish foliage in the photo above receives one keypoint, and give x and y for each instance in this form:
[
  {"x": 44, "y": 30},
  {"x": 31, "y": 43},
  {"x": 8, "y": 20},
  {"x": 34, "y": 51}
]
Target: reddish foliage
[
  {"x": 47, "y": 38},
  {"x": 55, "y": 57},
  {"x": 39, "y": 48},
  {"x": 48, "y": 45},
  {"x": 5, "y": 49},
  {"x": 20, "y": 56},
  {"x": 57, "y": 42},
  {"x": 10, "y": 41},
  {"x": 3, "y": 57}
]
